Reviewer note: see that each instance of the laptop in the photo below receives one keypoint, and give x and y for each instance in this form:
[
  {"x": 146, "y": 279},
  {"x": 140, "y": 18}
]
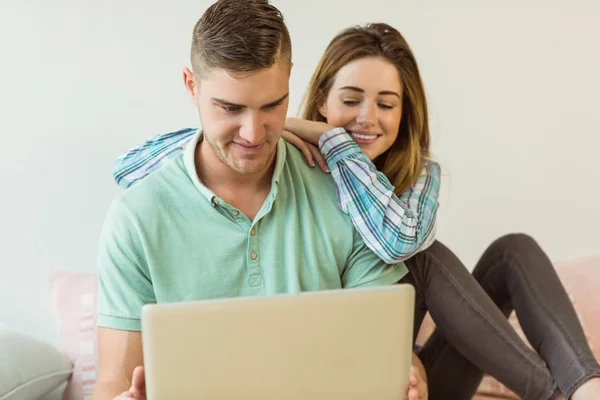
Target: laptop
[{"x": 334, "y": 344}]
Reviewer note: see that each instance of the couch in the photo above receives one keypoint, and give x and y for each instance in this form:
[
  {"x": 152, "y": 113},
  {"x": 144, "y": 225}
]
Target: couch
[{"x": 37, "y": 368}]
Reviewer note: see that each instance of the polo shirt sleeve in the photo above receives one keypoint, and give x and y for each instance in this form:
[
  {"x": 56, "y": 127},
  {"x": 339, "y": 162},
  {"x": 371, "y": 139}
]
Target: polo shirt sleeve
[
  {"x": 364, "y": 268},
  {"x": 124, "y": 283}
]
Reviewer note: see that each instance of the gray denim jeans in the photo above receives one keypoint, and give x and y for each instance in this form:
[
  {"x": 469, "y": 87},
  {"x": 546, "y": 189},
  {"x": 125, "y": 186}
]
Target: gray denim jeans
[{"x": 473, "y": 335}]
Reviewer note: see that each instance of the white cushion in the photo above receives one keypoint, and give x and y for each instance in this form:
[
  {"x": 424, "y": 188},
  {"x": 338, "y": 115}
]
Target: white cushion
[{"x": 29, "y": 368}]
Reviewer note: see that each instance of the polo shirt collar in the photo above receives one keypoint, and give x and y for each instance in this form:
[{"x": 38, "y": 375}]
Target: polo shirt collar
[{"x": 190, "y": 165}]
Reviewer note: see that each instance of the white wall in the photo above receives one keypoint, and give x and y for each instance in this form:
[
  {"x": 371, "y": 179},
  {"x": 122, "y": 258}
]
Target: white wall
[{"x": 513, "y": 89}]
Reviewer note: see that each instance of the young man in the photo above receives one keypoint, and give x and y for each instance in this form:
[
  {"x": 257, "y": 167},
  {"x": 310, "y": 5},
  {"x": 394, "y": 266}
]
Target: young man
[{"x": 239, "y": 214}]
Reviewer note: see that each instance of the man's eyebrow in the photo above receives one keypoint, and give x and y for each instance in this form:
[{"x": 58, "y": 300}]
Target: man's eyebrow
[
  {"x": 276, "y": 102},
  {"x": 359, "y": 90},
  {"x": 227, "y": 103},
  {"x": 270, "y": 105}
]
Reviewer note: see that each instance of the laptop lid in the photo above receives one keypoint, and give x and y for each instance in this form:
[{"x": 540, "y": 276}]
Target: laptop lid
[{"x": 350, "y": 344}]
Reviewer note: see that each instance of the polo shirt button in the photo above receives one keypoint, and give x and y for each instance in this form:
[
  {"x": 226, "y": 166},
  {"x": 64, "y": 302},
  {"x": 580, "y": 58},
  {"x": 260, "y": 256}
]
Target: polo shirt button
[
  {"x": 253, "y": 255},
  {"x": 252, "y": 232},
  {"x": 235, "y": 213}
]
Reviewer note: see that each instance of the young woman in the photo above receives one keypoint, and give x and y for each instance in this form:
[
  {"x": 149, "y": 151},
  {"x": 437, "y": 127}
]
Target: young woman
[{"x": 366, "y": 111}]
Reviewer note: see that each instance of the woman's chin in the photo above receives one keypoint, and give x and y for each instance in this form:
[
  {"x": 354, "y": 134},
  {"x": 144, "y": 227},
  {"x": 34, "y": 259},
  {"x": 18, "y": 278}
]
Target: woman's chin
[{"x": 370, "y": 152}]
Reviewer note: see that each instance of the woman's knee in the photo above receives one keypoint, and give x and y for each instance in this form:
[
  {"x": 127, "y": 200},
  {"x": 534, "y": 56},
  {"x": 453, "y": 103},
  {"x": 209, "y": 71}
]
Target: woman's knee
[
  {"x": 514, "y": 243},
  {"x": 499, "y": 257},
  {"x": 517, "y": 252}
]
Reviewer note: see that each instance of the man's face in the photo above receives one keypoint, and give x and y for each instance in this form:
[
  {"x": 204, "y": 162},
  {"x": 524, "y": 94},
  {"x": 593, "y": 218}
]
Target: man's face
[{"x": 242, "y": 114}]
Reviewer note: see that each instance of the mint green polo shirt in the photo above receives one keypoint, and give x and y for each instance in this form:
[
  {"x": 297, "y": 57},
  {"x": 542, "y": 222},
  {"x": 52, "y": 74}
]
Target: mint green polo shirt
[{"x": 169, "y": 238}]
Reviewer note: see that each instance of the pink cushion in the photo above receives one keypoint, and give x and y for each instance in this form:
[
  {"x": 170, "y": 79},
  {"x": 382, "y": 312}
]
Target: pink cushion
[
  {"x": 581, "y": 279},
  {"x": 74, "y": 297}
]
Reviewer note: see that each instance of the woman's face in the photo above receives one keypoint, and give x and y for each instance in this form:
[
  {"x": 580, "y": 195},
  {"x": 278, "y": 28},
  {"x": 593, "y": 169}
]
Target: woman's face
[{"x": 366, "y": 100}]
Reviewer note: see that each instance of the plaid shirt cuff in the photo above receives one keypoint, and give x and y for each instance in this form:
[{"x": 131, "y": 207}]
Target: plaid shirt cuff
[{"x": 336, "y": 145}]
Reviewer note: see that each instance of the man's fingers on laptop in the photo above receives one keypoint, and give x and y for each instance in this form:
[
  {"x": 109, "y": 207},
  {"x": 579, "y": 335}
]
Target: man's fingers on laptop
[
  {"x": 137, "y": 391},
  {"x": 130, "y": 395},
  {"x": 418, "y": 388},
  {"x": 138, "y": 383},
  {"x": 416, "y": 394},
  {"x": 413, "y": 378},
  {"x": 413, "y": 394},
  {"x": 124, "y": 396}
]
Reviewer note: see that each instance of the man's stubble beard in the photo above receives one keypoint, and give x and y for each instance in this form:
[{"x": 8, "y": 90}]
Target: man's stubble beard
[{"x": 230, "y": 163}]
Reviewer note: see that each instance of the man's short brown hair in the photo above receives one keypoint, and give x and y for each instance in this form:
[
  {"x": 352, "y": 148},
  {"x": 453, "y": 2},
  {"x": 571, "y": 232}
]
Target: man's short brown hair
[{"x": 240, "y": 36}]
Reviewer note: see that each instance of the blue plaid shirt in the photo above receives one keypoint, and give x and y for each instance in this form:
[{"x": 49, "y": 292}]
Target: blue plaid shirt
[{"x": 395, "y": 228}]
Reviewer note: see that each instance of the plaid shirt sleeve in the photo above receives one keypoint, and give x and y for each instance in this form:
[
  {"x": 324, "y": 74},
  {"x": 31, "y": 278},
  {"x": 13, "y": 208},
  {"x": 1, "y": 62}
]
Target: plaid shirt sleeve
[
  {"x": 146, "y": 158},
  {"x": 395, "y": 228}
]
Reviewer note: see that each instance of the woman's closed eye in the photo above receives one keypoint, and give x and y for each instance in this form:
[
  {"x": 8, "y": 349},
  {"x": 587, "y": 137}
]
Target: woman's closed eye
[{"x": 353, "y": 103}]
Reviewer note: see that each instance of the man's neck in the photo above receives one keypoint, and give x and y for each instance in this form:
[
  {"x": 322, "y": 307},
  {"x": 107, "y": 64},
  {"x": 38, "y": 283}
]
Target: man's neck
[{"x": 242, "y": 191}]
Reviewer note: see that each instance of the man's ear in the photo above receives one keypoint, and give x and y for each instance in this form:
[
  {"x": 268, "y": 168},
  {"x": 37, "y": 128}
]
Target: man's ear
[{"x": 189, "y": 80}]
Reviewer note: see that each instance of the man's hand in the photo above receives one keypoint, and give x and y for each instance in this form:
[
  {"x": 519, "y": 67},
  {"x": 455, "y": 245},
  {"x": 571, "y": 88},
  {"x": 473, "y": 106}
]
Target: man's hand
[
  {"x": 137, "y": 390},
  {"x": 417, "y": 388},
  {"x": 119, "y": 360}
]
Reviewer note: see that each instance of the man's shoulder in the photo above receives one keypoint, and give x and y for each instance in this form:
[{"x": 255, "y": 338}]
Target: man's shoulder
[
  {"x": 315, "y": 187},
  {"x": 152, "y": 191},
  {"x": 308, "y": 176}
]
